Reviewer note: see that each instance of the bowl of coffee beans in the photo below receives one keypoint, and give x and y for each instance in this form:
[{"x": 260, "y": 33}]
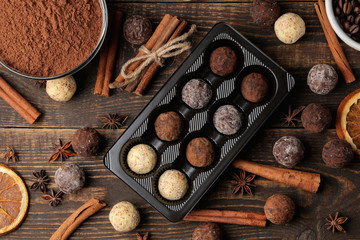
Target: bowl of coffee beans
[{"x": 344, "y": 17}]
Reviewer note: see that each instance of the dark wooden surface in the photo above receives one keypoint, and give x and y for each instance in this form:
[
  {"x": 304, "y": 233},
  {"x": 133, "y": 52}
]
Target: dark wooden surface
[{"x": 338, "y": 190}]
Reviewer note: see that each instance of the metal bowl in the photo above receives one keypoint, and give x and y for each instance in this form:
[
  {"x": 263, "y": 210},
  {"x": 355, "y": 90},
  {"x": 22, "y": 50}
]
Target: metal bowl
[{"x": 81, "y": 65}]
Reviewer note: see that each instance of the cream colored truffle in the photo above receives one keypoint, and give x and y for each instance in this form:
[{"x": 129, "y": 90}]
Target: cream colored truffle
[
  {"x": 289, "y": 28},
  {"x": 124, "y": 217},
  {"x": 173, "y": 185},
  {"x": 141, "y": 159},
  {"x": 61, "y": 89}
]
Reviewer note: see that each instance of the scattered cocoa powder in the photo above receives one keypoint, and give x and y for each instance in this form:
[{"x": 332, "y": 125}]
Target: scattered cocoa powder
[{"x": 48, "y": 37}]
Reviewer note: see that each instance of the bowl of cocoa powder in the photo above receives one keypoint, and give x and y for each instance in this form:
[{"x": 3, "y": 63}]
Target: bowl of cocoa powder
[{"x": 49, "y": 39}]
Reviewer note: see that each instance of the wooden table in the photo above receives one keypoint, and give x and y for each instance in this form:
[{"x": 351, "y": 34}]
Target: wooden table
[{"x": 338, "y": 190}]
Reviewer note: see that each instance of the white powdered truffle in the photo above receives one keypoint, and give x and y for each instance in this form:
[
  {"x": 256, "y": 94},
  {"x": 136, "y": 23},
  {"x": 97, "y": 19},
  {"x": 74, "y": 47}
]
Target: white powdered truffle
[
  {"x": 289, "y": 28},
  {"x": 141, "y": 159},
  {"x": 61, "y": 89},
  {"x": 124, "y": 217},
  {"x": 173, "y": 185}
]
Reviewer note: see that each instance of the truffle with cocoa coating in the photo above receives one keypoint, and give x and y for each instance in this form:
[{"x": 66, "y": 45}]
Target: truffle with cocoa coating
[
  {"x": 316, "y": 118},
  {"x": 337, "y": 153},
  {"x": 254, "y": 87},
  {"x": 223, "y": 61},
  {"x": 87, "y": 142},
  {"x": 207, "y": 231},
  {"x": 168, "y": 126},
  {"x": 137, "y": 29},
  {"x": 288, "y": 151},
  {"x": 196, "y": 93},
  {"x": 265, "y": 12},
  {"x": 200, "y": 152},
  {"x": 322, "y": 79},
  {"x": 279, "y": 209},
  {"x": 69, "y": 178},
  {"x": 228, "y": 120}
]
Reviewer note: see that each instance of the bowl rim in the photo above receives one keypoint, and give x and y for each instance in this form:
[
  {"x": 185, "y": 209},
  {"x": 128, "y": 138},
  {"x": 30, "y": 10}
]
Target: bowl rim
[
  {"x": 335, "y": 24},
  {"x": 97, "y": 48}
]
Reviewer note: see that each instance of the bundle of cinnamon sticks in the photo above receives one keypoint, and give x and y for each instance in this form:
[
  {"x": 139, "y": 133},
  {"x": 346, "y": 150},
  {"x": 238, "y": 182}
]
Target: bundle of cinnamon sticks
[{"x": 168, "y": 29}]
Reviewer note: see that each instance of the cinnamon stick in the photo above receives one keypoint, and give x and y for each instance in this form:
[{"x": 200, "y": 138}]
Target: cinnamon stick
[
  {"x": 18, "y": 102},
  {"x": 333, "y": 43},
  {"x": 164, "y": 37},
  {"x": 305, "y": 180},
  {"x": 74, "y": 220},
  {"x": 231, "y": 217},
  {"x": 149, "y": 45},
  {"x": 111, "y": 56}
]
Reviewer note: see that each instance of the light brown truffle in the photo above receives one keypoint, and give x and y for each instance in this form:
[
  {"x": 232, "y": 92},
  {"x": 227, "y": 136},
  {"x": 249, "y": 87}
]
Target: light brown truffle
[
  {"x": 173, "y": 185},
  {"x": 279, "y": 209},
  {"x": 124, "y": 217},
  {"x": 141, "y": 159},
  {"x": 200, "y": 152},
  {"x": 168, "y": 126},
  {"x": 207, "y": 231}
]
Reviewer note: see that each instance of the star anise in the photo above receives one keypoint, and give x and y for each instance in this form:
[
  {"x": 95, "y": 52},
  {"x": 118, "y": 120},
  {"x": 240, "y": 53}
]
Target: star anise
[
  {"x": 145, "y": 237},
  {"x": 243, "y": 182},
  {"x": 54, "y": 199},
  {"x": 114, "y": 121},
  {"x": 41, "y": 181},
  {"x": 61, "y": 151},
  {"x": 40, "y": 83},
  {"x": 335, "y": 223},
  {"x": 9, "y": 154},
  {"x": 290, "y": 117}
]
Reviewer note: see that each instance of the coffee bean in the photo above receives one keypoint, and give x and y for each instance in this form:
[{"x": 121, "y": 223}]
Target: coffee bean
[
  {"x": 357, "y": 19},
  {"x": 347, "y": 7},
  {"x": 354, "y": 29},
  {"x": 346, "y": 24},
  {"x": 337, "y": 11},
  {"x": 357, "y": 10},
  {"x": 350, "y": 18},
  {"x": 355, "y": 38},
  {"x": 340, "y": 3}
]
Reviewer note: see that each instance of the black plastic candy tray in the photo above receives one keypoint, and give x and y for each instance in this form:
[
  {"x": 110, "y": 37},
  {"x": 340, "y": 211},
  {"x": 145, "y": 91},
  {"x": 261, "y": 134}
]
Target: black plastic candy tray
[{"x": 199, "y": 122}]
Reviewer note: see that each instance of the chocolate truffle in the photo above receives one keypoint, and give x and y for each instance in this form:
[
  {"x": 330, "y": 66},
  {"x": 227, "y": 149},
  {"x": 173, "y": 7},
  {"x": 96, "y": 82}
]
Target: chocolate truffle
[
  {"x": 87, "y": 142},
  {"x": 196, "y": 93},
  {"x": 141, "y": 159},
  {"x": 228, "y": 120},
  {"x": 200, "y": 152},
  {"x": 223, "y": 61},
  {"x": 137, "y": 29},
  {"x": 316, "y": 118},
  {"x": 70, "y": 178},
  {"x": 337, "y": 153},
  {"x": 279, "y": 209},
  {"x": 173, "y": 185},
  {"x": 322, "y": 79},
  {"x": 207, "y": 231},
  {"x": 254, "y": 87},
  {"x": 288, "y": 151},
  {"x": 124, "y": 217},
  {"x": 168, "y": 126},
  {"x": 289, "y": 28},
  {"x": 265, "y": 12}
]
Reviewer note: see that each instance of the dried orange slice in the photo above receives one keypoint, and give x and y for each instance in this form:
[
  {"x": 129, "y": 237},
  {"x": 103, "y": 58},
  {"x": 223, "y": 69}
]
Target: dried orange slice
[
  {"x": 14, "y": 200},
  {"x": 348, "y": 120}
]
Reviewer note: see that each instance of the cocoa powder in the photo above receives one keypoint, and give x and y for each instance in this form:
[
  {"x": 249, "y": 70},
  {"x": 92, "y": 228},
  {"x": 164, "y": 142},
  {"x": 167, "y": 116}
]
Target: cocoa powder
[{"x": 48, "y": 37}]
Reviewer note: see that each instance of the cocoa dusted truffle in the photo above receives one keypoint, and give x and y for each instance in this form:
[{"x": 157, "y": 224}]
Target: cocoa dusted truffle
[
  {"x": 137, "y": 29},
  {"x": 173, "y": 185},
  {"x": 254, "y": 87},
  {"x": 223, "y": 61},
  {"x": 70, "y": 178},
  {"x": 141, "y": 159},
  {"x": 279, "y": 209},
  {"x": 322, "y": 79},
  {"x": 200, "y": 152},
  {"x": 168, "y": 126},
  {"x": 228, "y": 120},
  {"x": 87, "y": 142},
  {"x": 316, "y": 118},
  {"x": 337, "y": 153},
  {"x": 196, "y": 93},
  {"x": 207, "y": 231},
  {"x": 288, "y": 151},
  {"x": 265, "y": 12}
]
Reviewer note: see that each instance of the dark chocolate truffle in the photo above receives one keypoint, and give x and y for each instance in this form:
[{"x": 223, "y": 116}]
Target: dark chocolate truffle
[
  {"x": 228, "y": 120},
  {"x": 279, "y": 209},
  {"x": 265, "y": 12},
  {"x": 168, "y": 126},
  {"x": 223, "y": 61},
  {"x": 254, "y": 87},
  {"x": 337, "y": 153},
  {"x": 316, "y": 118},
  {"x": 200, "y": 152},
  {"x": 70, "y": 178},
  {"x": 137, "y": 29},
  {"x": 288, "y": 151},
  {"x": 196, "y": 93},
  {"x": 87, "y": 142},
  {"x": 322, "y": 78},
  {"x": 207, "y": 231}
]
